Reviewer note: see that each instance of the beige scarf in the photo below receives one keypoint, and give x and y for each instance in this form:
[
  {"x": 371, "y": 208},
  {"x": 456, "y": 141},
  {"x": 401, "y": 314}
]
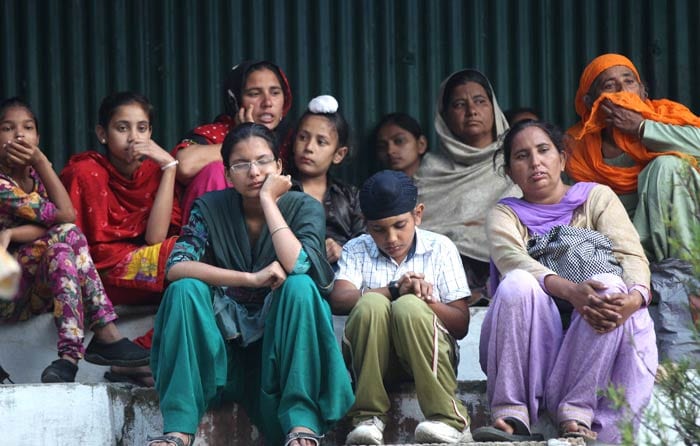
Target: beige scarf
[{"x": 459, "y": 185}]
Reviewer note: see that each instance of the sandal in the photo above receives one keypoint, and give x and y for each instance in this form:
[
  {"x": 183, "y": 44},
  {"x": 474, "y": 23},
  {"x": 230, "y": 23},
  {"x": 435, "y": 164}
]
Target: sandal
[
  {"x": 170, "y": 439},
  {"x": 294, "y": 436},
  {"x": 521, "y": 432},
  {"x": 581, "y": 431}
]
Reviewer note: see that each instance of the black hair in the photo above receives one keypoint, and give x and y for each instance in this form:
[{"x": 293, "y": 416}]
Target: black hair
[
  {"x": 245, "y": 131},
  {"x": 235, "y": 81},
  {"x": 462, "y": 78},
  {"x": 111, "y": 103},
  {"x": 513, "y": 112},
  {"x": 17, "y": 102},
  {"x": 264, "y": 65},
  {"x": 403, "y": 120},
  {"x": 339, "y": 123},
  {"x": 555, "y": 135}
]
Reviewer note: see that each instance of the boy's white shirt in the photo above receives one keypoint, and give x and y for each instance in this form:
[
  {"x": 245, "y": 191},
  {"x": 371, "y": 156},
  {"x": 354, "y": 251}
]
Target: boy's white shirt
[{"x": 362, "y": 264}]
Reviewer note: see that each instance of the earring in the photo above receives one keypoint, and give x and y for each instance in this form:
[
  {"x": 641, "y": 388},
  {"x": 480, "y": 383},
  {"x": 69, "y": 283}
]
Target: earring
[{"x": 103, "y": 141}]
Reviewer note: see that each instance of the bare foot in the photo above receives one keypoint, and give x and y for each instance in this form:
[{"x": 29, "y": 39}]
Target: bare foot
[
  {"x": 500, "y": 424},
  {"x": 572, "y": 428}
]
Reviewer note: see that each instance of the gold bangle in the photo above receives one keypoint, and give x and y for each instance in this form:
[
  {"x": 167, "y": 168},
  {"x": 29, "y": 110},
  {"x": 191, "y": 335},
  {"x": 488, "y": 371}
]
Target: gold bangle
[{"x": 278, "y": 229}]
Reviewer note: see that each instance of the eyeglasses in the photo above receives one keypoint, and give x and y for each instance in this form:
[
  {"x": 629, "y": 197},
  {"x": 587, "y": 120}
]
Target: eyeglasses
[{"x": 245, "y": 167}]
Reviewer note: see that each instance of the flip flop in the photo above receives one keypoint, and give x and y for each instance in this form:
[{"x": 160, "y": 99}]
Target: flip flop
[
  {"x": 520, "y": 433},
  {"x": 135, "y": 378}
]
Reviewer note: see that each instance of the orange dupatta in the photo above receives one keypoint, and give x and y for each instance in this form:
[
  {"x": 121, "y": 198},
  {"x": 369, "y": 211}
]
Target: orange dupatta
[{"x": 586, "y": 158}]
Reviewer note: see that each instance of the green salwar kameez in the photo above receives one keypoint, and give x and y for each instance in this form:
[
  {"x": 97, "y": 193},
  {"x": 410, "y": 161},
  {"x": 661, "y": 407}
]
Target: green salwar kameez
[{"x": 289, "y": 374}]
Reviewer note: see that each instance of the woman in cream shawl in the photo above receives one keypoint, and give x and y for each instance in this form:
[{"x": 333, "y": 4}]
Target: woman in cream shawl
[{"x": 458, "y": 182}]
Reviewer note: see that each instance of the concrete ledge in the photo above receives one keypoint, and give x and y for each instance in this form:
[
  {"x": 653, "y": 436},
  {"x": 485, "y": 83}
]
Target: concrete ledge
[
  {"x": 29, "y": 346},
  {"x": 119, "y": 414}
]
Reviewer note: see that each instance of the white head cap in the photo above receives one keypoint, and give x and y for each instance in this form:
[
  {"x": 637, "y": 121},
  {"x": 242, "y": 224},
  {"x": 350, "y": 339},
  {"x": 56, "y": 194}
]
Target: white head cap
[{"x": 323, "y": 104}]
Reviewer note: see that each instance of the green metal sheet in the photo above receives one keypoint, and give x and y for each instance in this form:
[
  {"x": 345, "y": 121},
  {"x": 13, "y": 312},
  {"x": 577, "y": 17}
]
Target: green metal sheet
[{"x": 376, "y": 57}]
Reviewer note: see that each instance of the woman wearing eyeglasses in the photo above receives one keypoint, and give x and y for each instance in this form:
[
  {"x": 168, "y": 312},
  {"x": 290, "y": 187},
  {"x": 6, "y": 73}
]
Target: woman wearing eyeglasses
[{"x": 245, "y": 317}]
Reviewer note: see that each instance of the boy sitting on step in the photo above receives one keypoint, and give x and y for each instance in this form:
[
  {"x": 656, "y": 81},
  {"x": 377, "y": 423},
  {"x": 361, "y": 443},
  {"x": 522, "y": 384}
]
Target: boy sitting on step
[{"x": 405, "y": 291}]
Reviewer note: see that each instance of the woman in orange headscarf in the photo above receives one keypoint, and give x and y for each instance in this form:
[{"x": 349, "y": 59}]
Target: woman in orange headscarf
[{"x": 645, "y": 150}]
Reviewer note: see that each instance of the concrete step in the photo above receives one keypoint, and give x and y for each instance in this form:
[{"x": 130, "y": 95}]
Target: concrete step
[
  {"x": 92, "y": 412},
  {"x": 38, "y": 336},
  {"x": 120, "y": 414},
  {"x": 123, "y": 415}
]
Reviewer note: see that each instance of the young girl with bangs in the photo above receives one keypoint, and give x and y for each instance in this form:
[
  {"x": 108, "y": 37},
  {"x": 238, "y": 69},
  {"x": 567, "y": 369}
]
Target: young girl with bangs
[
  {"x": 322, "y": 141},
  {"x": 36, "y": 227},
  {"x": 126, "y": 203}
]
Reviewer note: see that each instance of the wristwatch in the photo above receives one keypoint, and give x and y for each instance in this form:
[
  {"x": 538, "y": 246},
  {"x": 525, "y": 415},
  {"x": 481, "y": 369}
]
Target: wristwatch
[{"x": 394, "y": 289}]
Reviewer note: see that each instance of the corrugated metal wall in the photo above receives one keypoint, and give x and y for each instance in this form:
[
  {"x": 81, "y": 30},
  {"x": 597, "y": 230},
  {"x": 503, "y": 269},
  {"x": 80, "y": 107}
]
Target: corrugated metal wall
[{"x": 374, "y": 56}]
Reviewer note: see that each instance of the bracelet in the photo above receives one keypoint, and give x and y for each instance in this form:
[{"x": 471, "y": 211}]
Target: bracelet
[
  {"x": 172, "y": 163},
  {"x": 640, "y": 130},
  {"x": 278, "y": 229}
]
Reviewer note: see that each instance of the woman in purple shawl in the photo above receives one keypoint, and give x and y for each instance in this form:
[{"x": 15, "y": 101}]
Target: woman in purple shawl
[{"x": 532, "y": 361}]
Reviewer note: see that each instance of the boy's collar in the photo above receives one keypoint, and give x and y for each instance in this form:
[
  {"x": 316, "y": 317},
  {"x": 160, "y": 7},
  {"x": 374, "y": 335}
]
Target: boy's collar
[{"x": 411, "y": 251}]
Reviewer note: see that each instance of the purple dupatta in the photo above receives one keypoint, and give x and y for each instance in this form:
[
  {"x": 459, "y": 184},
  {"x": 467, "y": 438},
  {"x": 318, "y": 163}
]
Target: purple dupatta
[{"x": 540, "y": 218}]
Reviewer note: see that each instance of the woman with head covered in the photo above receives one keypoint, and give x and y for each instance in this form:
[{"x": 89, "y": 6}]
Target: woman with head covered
[
  {"x": 646, "y": 150},
  {"x": 253, "y": 91},
  {"x": 458, "y": 181}
]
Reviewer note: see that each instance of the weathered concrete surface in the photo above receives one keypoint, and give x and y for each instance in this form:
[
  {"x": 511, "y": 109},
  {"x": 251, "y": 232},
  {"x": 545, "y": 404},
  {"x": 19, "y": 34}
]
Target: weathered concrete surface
[
  {"x": 117, "y": 414},
  {"x": 28, "y": 347},
  {"x": 100, "y": 414}
]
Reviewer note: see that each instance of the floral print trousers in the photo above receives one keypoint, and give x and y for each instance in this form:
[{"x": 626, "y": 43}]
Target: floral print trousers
[{"x": 58, "y": 273}]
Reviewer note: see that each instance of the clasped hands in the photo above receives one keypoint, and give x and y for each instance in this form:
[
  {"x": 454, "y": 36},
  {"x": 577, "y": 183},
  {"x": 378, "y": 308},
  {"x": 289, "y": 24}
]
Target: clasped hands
[
  {"x": 604, "y": 311},
  {"x": 415, "y": 283}
]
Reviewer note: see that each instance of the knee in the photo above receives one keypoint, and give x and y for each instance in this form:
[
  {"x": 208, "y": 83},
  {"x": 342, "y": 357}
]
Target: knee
[
  {"x": 516, "y": 287},
  {"x": 299, "y": 289},
  {"x": 613, "y": 283},
  {"x": 68, "y": 232},
  {"x": 184, "y": 292},
  {"x": 407, "y": 308},
  {"x": 665, "y": 167},
  {"x": 371, "y": 305}
]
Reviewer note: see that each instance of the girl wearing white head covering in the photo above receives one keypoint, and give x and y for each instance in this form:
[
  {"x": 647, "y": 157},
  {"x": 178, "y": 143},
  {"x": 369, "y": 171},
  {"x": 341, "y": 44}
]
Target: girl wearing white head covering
[{"x": 321, "y": 141}]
